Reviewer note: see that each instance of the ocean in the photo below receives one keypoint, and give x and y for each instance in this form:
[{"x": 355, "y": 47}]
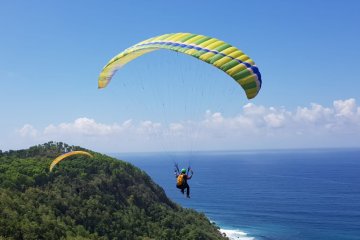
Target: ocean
[{"x": 267, "y": 195}]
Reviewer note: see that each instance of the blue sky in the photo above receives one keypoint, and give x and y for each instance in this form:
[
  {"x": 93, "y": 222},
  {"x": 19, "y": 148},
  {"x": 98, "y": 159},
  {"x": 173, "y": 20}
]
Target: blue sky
[{"x": 51, "y": 53}]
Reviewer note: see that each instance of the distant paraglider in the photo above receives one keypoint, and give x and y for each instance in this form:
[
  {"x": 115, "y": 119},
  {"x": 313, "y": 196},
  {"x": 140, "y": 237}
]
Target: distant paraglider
[
  {"x": 211, "y": 50},
  {"x": 63, "y": 156}
]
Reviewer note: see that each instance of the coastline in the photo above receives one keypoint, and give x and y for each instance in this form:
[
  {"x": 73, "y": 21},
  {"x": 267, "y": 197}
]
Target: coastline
[{"x": 234, "y": 234}]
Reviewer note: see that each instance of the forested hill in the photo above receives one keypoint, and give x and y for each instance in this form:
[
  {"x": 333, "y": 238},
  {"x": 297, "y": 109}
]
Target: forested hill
[{"x": 88, "y": 198}]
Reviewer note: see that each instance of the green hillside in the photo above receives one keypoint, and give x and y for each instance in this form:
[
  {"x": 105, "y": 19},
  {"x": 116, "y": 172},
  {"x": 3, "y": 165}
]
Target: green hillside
[{"x": 88, "y": 198}]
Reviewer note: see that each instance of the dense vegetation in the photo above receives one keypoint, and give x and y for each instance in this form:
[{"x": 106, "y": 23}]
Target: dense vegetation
[{"x": 88, "y": 198}]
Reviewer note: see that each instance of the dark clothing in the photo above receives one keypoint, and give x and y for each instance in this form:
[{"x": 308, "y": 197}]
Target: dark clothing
[{"x": 183, "y": 187}]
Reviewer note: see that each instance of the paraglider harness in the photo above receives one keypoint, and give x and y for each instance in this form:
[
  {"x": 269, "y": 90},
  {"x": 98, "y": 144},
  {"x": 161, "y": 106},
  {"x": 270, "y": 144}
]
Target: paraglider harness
[{"x": 180, "y": 181}]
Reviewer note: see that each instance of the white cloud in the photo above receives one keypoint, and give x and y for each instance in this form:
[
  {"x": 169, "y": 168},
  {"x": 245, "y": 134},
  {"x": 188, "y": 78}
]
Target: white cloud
[
  {"x": 85, "y": 126},
  {"x": 275, "y": 120},
  {"x": 346, "y": 108},
  {"x": 27, "y": 131},
  {"x": 251, "y": 109},
  {"x": 176, "y": 129},
  {"x": 313, "y": 115},
  {"x": 254, "y": 127}
]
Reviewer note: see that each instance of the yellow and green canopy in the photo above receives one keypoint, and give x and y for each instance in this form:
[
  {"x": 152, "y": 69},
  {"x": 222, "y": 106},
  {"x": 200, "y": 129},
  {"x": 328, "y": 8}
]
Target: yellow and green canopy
[{"x": 211, "y": 50}]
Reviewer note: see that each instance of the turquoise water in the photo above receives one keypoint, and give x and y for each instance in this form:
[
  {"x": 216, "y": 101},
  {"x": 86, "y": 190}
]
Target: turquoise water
[{"x": 301, "y": 194}]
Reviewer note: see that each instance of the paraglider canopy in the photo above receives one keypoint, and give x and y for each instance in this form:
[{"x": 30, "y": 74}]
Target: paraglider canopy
[
  {"x": 220, "y": 54},
  {"x": 65, "y": 155}
]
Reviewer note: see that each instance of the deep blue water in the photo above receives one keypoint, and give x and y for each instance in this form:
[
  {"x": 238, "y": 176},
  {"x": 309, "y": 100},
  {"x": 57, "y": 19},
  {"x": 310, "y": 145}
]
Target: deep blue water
[{"x": 280, "y": 195}]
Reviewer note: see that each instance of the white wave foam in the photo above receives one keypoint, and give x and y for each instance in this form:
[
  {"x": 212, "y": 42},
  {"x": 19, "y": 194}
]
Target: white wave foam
[{"x": 236, "y": 234}]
